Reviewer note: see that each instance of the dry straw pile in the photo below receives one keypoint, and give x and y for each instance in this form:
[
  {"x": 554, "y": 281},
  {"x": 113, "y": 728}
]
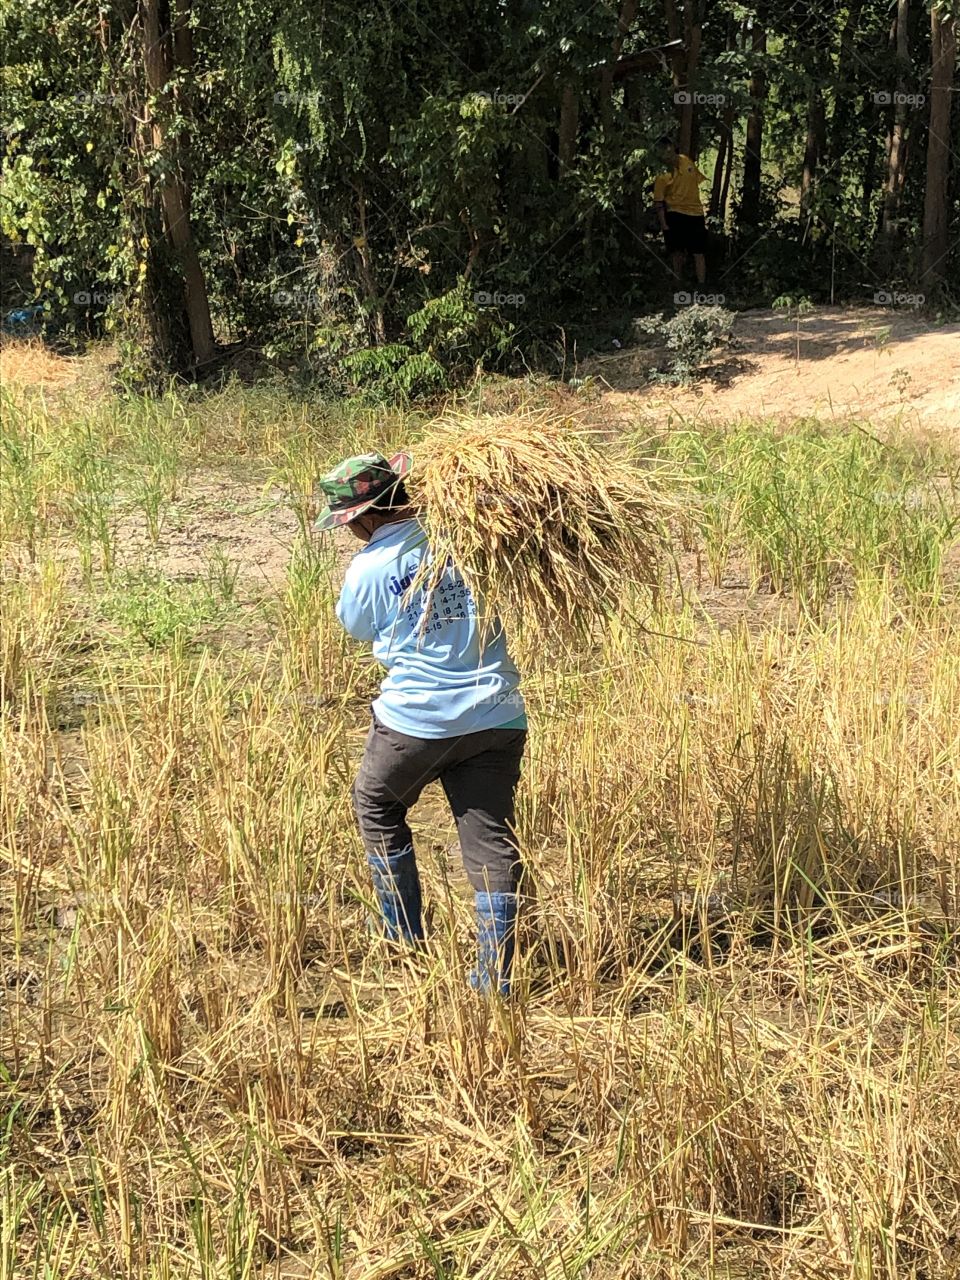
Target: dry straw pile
[
  {"x": 545, "y": 519},
  {"x": 29, "y": 362}
]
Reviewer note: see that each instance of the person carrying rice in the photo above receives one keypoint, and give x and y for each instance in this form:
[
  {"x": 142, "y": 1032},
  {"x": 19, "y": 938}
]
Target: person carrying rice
[
  {"x": 449, "y": 710},
  {"x": 528, "y": 525}
]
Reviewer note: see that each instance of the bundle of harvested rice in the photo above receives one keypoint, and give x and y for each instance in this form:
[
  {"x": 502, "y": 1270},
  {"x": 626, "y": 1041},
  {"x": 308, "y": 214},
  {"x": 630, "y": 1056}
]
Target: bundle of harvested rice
[{"x": 545, "y": 520}]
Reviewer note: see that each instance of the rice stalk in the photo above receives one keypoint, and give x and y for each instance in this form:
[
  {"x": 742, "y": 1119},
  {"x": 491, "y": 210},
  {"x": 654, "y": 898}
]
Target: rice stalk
[{"x": 547, "y": 523}]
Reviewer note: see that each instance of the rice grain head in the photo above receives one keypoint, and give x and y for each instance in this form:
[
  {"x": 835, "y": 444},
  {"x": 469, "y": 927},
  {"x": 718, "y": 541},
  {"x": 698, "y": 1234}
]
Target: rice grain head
[{"x": 549, "y": 523}]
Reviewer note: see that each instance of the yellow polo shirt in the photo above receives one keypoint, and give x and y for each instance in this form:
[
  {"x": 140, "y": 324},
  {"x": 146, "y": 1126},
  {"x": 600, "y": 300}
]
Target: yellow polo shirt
[{"x": 681, "y": 188}]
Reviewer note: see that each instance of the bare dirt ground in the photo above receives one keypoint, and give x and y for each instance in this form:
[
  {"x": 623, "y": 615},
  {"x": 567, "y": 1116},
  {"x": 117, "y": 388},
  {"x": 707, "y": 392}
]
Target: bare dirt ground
[
  {"x": 875, "y": 364},
  {"x": 872, "y": 363}
]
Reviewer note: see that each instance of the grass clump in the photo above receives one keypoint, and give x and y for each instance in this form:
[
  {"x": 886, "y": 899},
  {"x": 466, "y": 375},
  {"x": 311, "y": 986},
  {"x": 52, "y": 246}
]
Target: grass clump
[
  {"x": 545, "y": 520},
  {"x": 813, "y": 510},
  {"x": 158, "y": 610}
]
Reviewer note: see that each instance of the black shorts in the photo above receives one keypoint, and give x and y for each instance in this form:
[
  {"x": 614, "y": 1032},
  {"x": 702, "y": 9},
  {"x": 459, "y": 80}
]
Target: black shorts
[{"x": 686, "y": 232}]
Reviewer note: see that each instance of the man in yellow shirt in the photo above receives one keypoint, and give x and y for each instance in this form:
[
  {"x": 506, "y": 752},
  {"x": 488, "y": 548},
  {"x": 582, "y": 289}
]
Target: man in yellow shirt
[{"x": 676, "y": 198}]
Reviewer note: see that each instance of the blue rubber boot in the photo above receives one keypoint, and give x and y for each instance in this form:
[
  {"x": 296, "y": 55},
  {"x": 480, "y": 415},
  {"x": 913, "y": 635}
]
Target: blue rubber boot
[
  {"x": 496, "y": 942},
  {"x": 397, "y": 885}
]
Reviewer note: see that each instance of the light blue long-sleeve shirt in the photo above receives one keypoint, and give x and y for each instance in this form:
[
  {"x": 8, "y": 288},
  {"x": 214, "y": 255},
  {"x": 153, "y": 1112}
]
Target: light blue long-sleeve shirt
[{"x": 440, "y": 681}]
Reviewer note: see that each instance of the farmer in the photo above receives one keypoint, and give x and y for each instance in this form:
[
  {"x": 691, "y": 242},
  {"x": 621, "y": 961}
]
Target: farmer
[
  {"x": 449, "y": 709},
  {"x": 676, "y": 198}
]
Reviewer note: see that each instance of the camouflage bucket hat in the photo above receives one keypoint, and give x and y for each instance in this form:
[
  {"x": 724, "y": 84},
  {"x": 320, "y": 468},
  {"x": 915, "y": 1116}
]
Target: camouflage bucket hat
[{"x": 356, "y": 484}]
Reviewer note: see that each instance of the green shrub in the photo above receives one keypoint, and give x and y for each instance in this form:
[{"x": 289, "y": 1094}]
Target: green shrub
[
  {"x": 692, "y": 337},
  {"x": 446, "y": 339}
]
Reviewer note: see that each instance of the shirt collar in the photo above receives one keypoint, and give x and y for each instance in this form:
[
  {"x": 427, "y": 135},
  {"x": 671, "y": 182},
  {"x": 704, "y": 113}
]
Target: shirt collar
[{"x": 386, "y": 529}]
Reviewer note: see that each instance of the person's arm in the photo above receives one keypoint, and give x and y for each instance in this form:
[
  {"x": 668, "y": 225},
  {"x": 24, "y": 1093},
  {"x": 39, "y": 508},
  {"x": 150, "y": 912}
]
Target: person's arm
[
  {"x": 660, "y": 200},
  {"x": 356, "y": 609}
]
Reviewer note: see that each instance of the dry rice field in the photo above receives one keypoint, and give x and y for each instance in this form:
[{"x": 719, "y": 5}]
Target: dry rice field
[{"x": 734, "y": 1050}]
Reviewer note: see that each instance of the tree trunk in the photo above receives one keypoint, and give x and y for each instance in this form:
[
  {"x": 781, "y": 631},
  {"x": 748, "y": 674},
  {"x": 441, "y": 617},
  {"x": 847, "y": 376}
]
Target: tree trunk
[
  {"x": 749, "y": 211},
  {"x": 569, "y": 125},
  {"x": 638, "y": 200},
  {"x": 628, "y": 11},
  {"x": 158, "y": 62},
  {"x": 869, "y": 184},
  {"x": 721, "y": 171},
  {"x": 813, "y": 148},
  {"x": 844, "y": 95},
  {"x": 896, "y": 152},
  {"x": 673, "y": 19},
  {"x": 688, "y": 112},
  {"x": 716, "y": 185},
  {"x": 725, "y": 189},
  {"x": 675, "y": 32},
  {"x": 935, "y": 208},
  {"x": 368, "y": 275}
]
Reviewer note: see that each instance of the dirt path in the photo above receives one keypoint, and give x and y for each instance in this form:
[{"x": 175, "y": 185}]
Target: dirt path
[{"x": 872, "y": 363}]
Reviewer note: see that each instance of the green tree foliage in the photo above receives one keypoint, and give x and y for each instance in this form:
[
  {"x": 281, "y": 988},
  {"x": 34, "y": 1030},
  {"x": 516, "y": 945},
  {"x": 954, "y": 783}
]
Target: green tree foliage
[{"x": 391, "y": 194}]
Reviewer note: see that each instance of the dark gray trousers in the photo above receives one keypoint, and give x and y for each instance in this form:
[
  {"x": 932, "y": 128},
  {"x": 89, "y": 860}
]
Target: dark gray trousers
[{"x": 478, "y": 772}]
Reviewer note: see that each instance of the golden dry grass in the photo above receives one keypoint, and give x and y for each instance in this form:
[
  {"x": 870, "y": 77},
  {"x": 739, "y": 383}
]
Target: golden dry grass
[
  {"x": 31, "y": 362},
  {"x": 734, "y": 1051},
  {"x": 545, "y": 518}
]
